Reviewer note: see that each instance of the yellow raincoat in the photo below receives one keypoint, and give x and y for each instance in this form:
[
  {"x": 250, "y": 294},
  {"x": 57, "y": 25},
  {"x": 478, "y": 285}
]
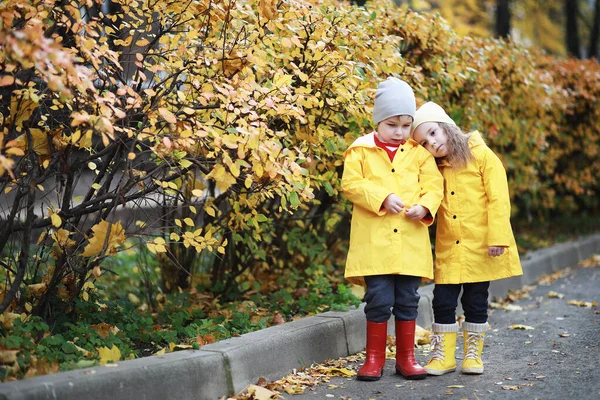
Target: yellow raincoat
[
  {"x": 475, "y": 214},
  {"x": 380, "y": 242}
]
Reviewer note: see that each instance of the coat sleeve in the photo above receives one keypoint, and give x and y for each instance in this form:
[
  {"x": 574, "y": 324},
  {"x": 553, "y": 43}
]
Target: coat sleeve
[
  {"x": 359, "y": 190},
  {"x": 432, "y": 187},
  {"x": 496, "y": 190}
]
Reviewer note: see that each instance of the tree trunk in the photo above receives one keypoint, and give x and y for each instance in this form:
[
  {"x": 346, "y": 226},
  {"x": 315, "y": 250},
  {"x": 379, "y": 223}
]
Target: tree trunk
[
  {"x": 594, "y": 35},
  {"x": 572, "y": 34},
  {"x": 502, "y": 18}
]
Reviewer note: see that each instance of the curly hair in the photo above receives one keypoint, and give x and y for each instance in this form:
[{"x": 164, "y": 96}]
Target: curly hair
[{"x": 459, "y": 153}]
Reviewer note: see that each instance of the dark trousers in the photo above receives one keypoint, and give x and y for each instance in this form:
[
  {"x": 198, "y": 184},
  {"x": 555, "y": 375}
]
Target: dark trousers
[
  {"x": 392, "y": 293},
  {"x": 474, "y": 301}
]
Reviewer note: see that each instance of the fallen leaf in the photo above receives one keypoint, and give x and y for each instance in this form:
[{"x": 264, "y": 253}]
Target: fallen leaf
[
  {"x": 456, "y": 386},
  {"x": 107, "y": 355},
  {"x": 512, "y": 307},
  {"x": 8, "y": 356},
  {"x": 103, "y": 329},
  {"x": 277, "y": 319},
  {"x": 422, "y": 336},
  {"x": 511, "y": 387},
  {"x": 521, "y": 327},
  {"x": 262, "y": 381},
  {"x": 261, "y": 393},
  {"x": 554, "y": 295},
  {"x": 579, "y": 303}
]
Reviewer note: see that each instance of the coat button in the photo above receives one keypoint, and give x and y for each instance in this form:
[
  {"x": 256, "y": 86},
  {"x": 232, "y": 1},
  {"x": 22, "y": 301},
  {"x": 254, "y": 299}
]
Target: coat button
[
  {"x": 395, "y": 230},
  {"x": 457, "y": 242},
  {"x": 401, "y": 149},
  {"x": 393, "y": 170},
  {"x": 452, "y": 193},
  {"x": 454, "y": 216}
]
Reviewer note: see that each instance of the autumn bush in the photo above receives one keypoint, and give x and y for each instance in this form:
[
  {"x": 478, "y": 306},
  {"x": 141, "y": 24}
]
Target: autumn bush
[{"x": 212, "y": 132}]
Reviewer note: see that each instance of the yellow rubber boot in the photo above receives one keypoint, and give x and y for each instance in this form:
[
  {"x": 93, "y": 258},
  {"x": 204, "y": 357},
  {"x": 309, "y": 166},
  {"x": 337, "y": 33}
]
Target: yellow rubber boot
[
  {"x": 473, "y": 335},
  {"x": 443, "y": 345}
]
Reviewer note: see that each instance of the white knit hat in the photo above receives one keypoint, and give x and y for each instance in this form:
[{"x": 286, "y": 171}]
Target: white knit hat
[
  {"x": 393, "y": 97},
  {"x": 431, "y": 112}
]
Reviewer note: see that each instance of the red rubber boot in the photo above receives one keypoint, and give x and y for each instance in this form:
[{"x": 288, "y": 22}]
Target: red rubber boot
[
  {"x": 372, "y": 369},
  {"x": 406, "y": 365}
]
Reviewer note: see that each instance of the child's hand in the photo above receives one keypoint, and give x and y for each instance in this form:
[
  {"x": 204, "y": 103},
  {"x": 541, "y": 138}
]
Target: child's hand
[
  {"x": 495, "y": 251},
  {"x": 416, "y": 212},
  {"x": 393, "y": 204}
]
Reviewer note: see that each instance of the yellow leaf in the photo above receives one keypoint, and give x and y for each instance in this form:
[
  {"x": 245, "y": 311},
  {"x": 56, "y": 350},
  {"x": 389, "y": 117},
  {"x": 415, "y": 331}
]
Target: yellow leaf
[
  {"x": 7, "y": 80},
  {"x": 142, "y": 42},
  {"x": 261, "y": 393},
  {"x": 109, "y": 355},
  {"x": 222, "y": 177},
  {"x": 99, "y": 242},
  {"x": 85, "y": 296},
  {"x": 56, "y": 220},
  {"x": 210, "y": 211},
  {"x": 133, "y": 299},
  {"x": 167, "y": 115},
  {"x": 189, "y": 221},
  {"x": 521, "y": 327}
]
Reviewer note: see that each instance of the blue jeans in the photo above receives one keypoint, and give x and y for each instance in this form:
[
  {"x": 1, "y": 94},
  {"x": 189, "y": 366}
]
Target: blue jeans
[
  {"x": 387, "y": 292},
  {"x": 474, "y": 301}
]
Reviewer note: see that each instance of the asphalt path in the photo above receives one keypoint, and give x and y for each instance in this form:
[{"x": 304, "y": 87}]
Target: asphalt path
[{"x": 557, "y": 359}]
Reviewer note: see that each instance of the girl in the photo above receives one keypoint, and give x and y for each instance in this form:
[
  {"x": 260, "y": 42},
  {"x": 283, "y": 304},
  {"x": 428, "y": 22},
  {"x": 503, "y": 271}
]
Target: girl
[
  {"x": 396, "y": 189},
  {"x": 474, "y": 240}
]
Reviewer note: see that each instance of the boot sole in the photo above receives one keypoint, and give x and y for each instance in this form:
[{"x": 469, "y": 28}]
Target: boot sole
[
  {"x": 412, "y": 377},
  {"x": 472, "y": 371},
  {"x": 368, "y": 378},
  {"x": 438, "y": 372}
]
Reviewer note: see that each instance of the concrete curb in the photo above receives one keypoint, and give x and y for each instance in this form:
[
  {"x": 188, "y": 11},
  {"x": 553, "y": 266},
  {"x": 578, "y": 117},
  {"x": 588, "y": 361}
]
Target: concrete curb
[{"x": 229, "y": 366}]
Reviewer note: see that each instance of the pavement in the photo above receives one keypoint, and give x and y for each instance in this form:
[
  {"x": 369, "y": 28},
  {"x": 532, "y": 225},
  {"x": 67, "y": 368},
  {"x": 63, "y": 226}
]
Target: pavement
[
  {"x": 513, "y": 357},
  {"x": 554, "y": 355}
]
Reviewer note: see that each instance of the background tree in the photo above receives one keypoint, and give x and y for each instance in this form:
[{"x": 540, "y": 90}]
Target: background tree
[
  {"x": 595, "y": 32},
  {"x": 502, "y": 18},
  {"x": 572, "y": 32}
]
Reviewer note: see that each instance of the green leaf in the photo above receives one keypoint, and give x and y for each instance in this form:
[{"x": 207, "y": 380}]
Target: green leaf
[{"x": 294, "y": 202}]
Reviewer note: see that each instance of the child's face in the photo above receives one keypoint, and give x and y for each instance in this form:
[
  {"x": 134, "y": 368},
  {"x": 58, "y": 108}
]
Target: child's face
[
  {"x": 431, "y": 136},
  {"x": 395, "y": 129}
]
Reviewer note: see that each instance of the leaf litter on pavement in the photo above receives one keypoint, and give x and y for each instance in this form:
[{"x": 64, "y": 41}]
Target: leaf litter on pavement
[{"x": 302, "y": 379}]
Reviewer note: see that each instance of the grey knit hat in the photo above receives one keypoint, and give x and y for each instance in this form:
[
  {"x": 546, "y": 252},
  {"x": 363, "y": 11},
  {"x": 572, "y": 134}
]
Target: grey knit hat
[{"x": 393, "y": 97}]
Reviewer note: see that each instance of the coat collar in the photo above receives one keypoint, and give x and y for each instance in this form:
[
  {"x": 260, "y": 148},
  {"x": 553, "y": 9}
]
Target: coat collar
[
  {"x": 475, "y": 139},
  {"x": 368, "y": 140}
]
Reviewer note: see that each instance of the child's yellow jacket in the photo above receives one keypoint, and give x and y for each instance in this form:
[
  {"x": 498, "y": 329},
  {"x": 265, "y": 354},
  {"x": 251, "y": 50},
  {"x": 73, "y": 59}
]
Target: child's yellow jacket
[
  {"x": 381, "y": 242},
  {"x": 475, "y": 214}
]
